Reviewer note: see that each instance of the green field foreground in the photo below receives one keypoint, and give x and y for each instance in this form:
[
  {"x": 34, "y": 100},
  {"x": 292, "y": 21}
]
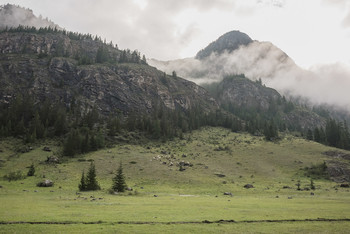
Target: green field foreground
[{"x": 166, "y": 200}]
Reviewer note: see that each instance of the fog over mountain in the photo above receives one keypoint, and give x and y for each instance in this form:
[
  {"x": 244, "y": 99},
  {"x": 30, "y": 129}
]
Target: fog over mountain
[
  {"x": 13, "y": 16},
  {"x": 323, "y": 84}
]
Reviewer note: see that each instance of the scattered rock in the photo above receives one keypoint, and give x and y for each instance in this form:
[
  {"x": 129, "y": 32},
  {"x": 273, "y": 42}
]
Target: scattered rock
[
  {"x": 220, "y": 175},
  {"x": 52, "y": 159},
  {"x": 45, "y": 183},
  {"x": 248, "y": 186},
  {"x": 228, "y": 194},
  {"x": 47, "y": 149}
]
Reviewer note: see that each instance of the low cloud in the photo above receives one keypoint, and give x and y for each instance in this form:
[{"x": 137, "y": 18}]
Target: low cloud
[
  {"x": 327, "y": 84},
  {"x": 12, "y": 16}
]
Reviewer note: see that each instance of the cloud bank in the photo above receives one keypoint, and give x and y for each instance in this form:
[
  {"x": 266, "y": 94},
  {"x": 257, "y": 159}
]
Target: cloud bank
[{"x": 323, "y": 84}]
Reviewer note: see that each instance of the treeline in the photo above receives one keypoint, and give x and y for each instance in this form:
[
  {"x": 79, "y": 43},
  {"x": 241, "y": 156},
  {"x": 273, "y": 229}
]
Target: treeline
[
  {"x": 85, "y": 131},
  {"x": 44, "y": 30},
  {"x": 335, "y": 134},
  {"x": 106, "y": 52},
  {"x": 22, "y": 118}
]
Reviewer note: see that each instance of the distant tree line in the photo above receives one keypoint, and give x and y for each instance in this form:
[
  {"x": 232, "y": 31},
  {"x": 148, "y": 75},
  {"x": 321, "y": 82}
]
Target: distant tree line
[
  {"x": 82, "y": 132},
  {"x": 335, "y": 134},
  {"x": 106, "y": 52}
]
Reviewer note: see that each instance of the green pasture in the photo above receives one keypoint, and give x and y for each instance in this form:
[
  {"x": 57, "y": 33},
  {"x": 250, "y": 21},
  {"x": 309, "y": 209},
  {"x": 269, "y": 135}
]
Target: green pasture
[{"x": 166, "y": 200}]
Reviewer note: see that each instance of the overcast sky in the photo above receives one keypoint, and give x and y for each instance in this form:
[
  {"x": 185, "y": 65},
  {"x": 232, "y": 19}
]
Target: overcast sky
[{"x": 309, "y": 31}]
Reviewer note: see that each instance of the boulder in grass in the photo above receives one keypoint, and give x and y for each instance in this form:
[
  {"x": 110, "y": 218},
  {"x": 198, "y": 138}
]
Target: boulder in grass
[
  {"x": 45, "y": 183},
  {"x": 52, "y": 159},
  {"x": 248, "y": 186}
]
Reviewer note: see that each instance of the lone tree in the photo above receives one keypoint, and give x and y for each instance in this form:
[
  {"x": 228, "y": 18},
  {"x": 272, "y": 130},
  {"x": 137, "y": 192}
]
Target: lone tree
[
  {"x": 89, "y": 182},
  {"x": 31, "y": 170},
  {"x": 119, "y": 184},
  {"x": 312, "y": 185}
]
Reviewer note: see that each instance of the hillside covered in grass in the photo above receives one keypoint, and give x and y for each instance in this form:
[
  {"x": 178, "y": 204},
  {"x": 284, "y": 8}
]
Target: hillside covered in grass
[{"x": 213, "y": 161}]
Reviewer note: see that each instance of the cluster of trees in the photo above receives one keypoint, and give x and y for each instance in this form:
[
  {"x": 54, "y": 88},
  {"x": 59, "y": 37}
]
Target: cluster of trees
[
  {"x": 85, "y": 132},
  {"x": 22, "y": 118},
  {"x": 166, "y": 124},
  {"x": 335, "y": 134},
  {"x": 90, "y": 183}
]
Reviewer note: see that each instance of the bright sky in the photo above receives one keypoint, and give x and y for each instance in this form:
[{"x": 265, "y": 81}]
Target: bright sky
[{"x": 309, "y": 31}]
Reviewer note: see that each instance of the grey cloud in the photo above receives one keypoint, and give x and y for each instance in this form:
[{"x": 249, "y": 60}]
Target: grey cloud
[
  {"x": 320, "y": 85},
  {"x": 274, "y": 3},
  {"x": 13, "y": 16}
]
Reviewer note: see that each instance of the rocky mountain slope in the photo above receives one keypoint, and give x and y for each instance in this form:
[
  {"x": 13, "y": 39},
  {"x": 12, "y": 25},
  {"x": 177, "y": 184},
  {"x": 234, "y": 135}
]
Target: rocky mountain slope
[
  {"x": 64, "y": 67},
  {"x": 243, "y": 97}
]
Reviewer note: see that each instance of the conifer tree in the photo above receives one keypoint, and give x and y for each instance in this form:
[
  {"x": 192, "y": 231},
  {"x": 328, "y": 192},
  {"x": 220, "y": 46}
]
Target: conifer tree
[
  {"x": 91, "y": 182},
  {"x": 31, "y": 170},
  {"x": 82, "y": 185},
  {"x": 119, "y": 184}
]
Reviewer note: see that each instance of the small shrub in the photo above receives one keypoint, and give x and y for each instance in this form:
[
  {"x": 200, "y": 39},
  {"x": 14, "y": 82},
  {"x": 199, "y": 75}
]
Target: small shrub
[
  {"x": 312, "y": 185},
  {"x": 12, "y": 176},
  {"x": 317, "y": 171}
]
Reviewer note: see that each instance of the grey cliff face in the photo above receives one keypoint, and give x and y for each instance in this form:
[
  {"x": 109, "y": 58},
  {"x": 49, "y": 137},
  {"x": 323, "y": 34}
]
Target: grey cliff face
[{"x": 126, "y": 87}]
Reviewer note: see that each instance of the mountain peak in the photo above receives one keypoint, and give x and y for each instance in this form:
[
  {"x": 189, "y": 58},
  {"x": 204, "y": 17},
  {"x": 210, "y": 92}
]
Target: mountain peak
[{"x": 230, "y": 41}]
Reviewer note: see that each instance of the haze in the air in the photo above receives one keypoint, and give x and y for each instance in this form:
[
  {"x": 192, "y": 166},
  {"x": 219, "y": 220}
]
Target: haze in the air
[{"x": 315, "y": 34}]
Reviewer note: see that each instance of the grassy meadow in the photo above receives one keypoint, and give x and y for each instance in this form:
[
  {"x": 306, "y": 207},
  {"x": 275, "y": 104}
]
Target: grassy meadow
[{"x": 167, "y": 200}]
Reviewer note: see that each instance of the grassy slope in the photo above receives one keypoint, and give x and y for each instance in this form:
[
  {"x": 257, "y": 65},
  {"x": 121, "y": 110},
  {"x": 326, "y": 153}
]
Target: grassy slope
[{"x": 195, "y": 194}]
